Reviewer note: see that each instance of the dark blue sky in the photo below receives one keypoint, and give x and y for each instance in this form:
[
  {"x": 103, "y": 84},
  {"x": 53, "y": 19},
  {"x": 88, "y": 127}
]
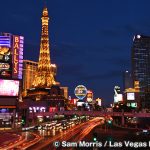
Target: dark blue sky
[{"x": 90, "y": 39}]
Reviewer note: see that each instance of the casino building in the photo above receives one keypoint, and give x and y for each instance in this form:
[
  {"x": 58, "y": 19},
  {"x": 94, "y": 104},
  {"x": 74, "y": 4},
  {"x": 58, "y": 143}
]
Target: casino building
[
  {"x": 11, "y": 64},
  {"x": 29, "y": 69},
  {"x": 43, "y": 92}
]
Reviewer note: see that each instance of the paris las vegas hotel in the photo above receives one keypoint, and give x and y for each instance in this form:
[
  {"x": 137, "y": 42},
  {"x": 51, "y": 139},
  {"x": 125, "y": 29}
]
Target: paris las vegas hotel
[{"x": 27, "y": 86}]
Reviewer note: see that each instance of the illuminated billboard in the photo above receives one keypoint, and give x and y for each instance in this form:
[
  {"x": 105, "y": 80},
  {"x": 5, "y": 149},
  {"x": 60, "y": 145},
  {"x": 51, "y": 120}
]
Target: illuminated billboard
[
  {"x": 9, "y": 87},
  {"x": 89, "y": 96},
  {"x": 118, "y": 98},
  {"x": 80, "y": 91},
  {"x": 5, "y": 62},
  {"x": 80, "y": 103},
  {"x": 99, "y": 101},
  {"x": 5, "y": 41},
  {"x": 133, "y": 105},
  {"x": 11, "y": 56},
  {"x": 74, "y": 101},
  {"x": 17, "y": 57},
  {"x": 130, "y": 96}
]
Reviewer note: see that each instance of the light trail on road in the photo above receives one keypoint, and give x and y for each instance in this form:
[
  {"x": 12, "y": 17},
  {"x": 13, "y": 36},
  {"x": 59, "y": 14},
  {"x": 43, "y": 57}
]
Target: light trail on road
[{"x": 69, "y": 134}]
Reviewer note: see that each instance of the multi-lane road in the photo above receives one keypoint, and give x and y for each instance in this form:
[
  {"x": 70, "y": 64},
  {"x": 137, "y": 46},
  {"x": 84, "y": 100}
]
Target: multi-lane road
[
  {"x": 45, "y": 135},
  {"x": 75, "y": 133},
  {"x": 53, "y": 134}
]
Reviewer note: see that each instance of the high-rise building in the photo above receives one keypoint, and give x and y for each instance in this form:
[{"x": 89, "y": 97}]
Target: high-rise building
[
  {"x": 65, "y": 92},
  {"x": 29, "y": 69},
  {"x": 141, "y": 66},
  {"x": 127, "y": 80}
]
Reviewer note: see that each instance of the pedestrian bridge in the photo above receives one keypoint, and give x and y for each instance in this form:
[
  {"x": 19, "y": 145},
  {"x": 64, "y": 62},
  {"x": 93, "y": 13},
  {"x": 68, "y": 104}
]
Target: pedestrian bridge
[{"x": 92, "y": 113}]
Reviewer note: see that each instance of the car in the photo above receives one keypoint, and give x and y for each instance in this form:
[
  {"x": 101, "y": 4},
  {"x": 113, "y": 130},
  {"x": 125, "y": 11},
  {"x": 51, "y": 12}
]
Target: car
[{"x": 143, "y": 132}]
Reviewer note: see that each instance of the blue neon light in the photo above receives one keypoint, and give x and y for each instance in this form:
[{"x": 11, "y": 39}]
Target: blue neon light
[
  {"x": 5, "y": 41},
  {"x": 2, "y": 44}
]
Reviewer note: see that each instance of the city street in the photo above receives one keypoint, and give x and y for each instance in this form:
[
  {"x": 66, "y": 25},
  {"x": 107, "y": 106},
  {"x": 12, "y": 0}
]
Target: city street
[
  {"x": 94, "y": 130},
  {"x": 86, "y": 131},
  {"x": 8, "y": 140},
  {"x": 74, "y": 75},
  {"x": 75, "y": 133},
  {"x": 18, "y": 140}
]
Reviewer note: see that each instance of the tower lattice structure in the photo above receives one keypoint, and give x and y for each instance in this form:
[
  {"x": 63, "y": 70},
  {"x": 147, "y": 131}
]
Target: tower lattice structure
[{"x": 44, "y": 77}]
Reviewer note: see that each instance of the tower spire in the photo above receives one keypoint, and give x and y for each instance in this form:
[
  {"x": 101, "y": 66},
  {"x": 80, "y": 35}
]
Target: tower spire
[
  {"x": 45, "y": 3},
  {"x": 44, "y": 76}
]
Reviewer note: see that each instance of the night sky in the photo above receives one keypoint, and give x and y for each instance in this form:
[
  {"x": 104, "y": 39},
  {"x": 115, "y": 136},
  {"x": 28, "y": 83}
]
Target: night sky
[{"x": 90, "y": 39}]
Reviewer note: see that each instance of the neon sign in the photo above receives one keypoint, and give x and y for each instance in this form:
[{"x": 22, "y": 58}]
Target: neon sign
[
  {"x": 80, "y": 91},
  {"x": 5, "y": 41},
  {"x": 17, "y": 56}
]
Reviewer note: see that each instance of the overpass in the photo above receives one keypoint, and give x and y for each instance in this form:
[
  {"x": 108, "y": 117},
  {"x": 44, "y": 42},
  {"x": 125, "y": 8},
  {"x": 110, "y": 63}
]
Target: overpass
[{"x": 92, "y": 113}]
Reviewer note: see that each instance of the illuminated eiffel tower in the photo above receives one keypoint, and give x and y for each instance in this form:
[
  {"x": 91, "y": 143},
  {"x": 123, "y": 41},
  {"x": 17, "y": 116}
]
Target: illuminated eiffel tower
[
  {"x": 45, "y": 93},
  {"x": 44, "y": 76}
]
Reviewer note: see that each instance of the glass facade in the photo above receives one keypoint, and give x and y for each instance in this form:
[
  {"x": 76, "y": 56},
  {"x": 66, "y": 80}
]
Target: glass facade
[{"x": 141, "y": 66}]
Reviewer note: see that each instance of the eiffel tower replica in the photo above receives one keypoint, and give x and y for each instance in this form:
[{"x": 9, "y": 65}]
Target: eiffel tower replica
[
  {"x": 44, "y": 86},
  {"x": 44, "y": 77}
]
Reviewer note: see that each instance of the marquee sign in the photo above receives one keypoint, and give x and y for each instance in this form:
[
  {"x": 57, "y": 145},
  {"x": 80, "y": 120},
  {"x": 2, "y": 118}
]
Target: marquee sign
[
  {"x": 80, "y": 91},
  {"x": 17, "y": 56}
]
